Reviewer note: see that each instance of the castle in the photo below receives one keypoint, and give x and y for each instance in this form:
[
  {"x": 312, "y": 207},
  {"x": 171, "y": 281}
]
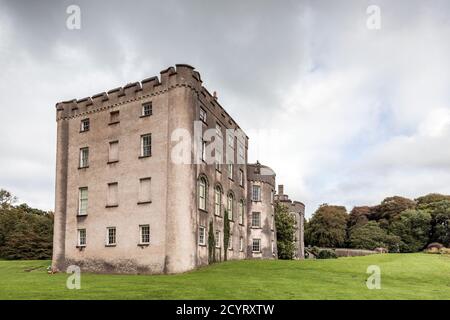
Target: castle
[{"x": 139, "y": 189}]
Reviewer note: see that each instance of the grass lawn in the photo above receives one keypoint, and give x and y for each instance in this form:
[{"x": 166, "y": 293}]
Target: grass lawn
[{"x": 403, "y": 276}]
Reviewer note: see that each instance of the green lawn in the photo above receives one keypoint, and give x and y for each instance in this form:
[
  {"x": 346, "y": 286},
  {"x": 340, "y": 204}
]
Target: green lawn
[{"x": 403, "y": 276}]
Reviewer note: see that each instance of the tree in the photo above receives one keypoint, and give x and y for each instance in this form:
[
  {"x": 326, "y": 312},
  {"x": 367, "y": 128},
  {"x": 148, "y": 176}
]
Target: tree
[
  {"x": 390, "y": 208},
  {"x": 6, "y": 199},
  {"x": 285, "y": 225},
  {"x": 328, "y": 227},
  {"x": 371, "y": 236},
  {"x": 413, "y": 227},
  {"x": 440, "y": 221},
  {"x": 211, "y": 244},
  {"x": 226, "y": 235},
  {"x": 430, "y": 198}
]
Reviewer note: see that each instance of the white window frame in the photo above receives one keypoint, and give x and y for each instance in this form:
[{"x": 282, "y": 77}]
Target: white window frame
[
  {"x": 108, "y": 242},
  {"x": 202, "y": 115},
  {"x": 230, "y": 171},
  {"x": 254, "y": 215},
  {"x": 230, "y": 242},
  {"x": 141, "y": 234},
  {"x": 202, "y": 193},
  {"x": 241, "y": 244},
  {"x": 146, "y": 150},
  {"x": 258, "y": 241},
  {"x": 203, "y": 150},
  {"x": 84, "y": 157},
  {"x": 230, "y": 205},
  {"x": 80, "y": 201},
  {"x": 241, "y": 177},
  {"x": 217, "y": 201},
  {"x": 201, "y": 236},
  {"x": 241, "y": 211},
  {"x": 85, "y": 125},
  {"x": 79, "y": 231},
  {"x": 147, "y": 109},
  {"x": 257, "y": 194},
  {"x": 217, "y": 238}
]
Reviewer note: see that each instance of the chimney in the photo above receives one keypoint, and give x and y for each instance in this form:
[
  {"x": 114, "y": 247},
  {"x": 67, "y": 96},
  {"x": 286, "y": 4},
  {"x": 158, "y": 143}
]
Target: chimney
[
  {"x": 280, "y": 189},
  {"x": 215, "y": 95}
]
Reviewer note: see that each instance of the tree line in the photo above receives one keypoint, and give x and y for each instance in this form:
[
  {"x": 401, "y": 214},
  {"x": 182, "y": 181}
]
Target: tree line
[
  {"x": 25, "y": 232},
  {"x": 398, "y": 224}
]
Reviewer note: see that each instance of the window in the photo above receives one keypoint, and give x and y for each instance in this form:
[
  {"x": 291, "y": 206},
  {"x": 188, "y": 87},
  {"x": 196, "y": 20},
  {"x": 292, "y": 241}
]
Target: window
[
  {"x": 230, "y": 138},
  {"x": 146, "y": 145},
  {"x": 202, "y": 194},
  {"x": 81, "y": 237},
  {"x": 241, "y": 244},
  {"x": 241, "y": 153},
  {"x": 217, "y": 201},
  {"x": 202, "y": 236},
  {"x": 230, "y": 171},
  {"x": 111, "y": 236},
  {"x": 83, "y": 201},
  {"x": 241, "y": 211},
  {"x": 203, "y": 150},
  {"x": 147, "y": 109},
  {"x": 114, "y": 117},
  {"x": 84, "y": 125},
  {"x": 113, "y": 155},
  {"x": 256, "y": 245},
  {"x": 218, "y": 155},
  {"x": 256, "y": 193},
  {"x": 202, "y": 115},
  {"x": 84, "y": 157},
  {"x": 241, "y": 177},
  {"x": 230, "y": 205},
  {"x": 218, "y": 130},
  {"x": 230, "y": 242},
  {"x": 256, "y": 219},
  {"x": 144, "y": 191},
  {"x": 217, "y": 239},
  {"x": 113, "y": 195},
  {"x": 144, "y": 232}
]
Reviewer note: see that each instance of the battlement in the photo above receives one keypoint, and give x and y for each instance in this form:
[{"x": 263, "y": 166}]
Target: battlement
[{"x": 182, "y": 75}]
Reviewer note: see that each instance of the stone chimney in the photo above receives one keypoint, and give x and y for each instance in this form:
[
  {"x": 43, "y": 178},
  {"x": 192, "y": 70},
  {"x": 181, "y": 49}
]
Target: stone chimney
[{"x": 280, "y": 189}]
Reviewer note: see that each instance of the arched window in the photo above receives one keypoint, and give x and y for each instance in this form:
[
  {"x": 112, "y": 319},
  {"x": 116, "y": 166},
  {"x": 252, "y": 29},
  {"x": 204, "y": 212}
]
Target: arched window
[
  {"x": 241, "y": 211},
  {"x": 217, "y": 200},
  {"x": 230, "y": 205},
  {"x": 202, "y": 185}
]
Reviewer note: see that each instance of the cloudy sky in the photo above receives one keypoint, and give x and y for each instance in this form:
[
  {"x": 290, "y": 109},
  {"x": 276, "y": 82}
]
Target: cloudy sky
[{"x": 343, "y": 113}]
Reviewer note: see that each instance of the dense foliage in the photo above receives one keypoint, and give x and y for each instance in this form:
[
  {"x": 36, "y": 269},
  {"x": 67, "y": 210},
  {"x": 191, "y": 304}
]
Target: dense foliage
[
  {"x": 327, "y": 227},
  {"x": 25, "y": 233},
  {"x": 397, "y": 223},
  {"x": 285, "y": 225},
  {"x": 226, "y": 235}
]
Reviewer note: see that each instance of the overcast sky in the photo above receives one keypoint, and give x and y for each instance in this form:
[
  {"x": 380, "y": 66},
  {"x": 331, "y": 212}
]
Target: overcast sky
[{"x": 344, "y": 114}]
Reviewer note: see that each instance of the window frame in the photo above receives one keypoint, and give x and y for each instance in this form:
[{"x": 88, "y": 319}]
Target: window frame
[
  {"x": 201, "y": 232},
  {"x": 256, "y": 187},
  {"x": 141, "y": 234},
  {"x": 259, "y": 245},
  {"x": 108, "y": 236},
  {"x": 114, "y": 117},
  {"x": 217, "y": 238},
  {"x": 202, "y": 183},
  {"x": 148, "y": 105},
  {"x": 241, "y": 211},
  {"x": 84, "y": 128},
  {"x": 143, "y": 146},
  {"x": 230, "y": 205},
  {"x": 80, "y": 201},
  {"x": 218, "y": 201},
  {"x": 202, "y": 115},
  {"x": 84, "y": 158},
  {"x": 254, "y": 215},
  {"x": 79, "y": 231}
]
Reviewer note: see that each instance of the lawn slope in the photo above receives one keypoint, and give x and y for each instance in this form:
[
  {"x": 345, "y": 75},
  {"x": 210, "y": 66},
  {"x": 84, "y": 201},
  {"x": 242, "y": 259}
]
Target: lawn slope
[{"x": 403, "y": 276}]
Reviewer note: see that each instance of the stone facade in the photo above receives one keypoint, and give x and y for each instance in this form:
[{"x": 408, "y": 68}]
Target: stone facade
[
  {"x": 123, "y": 205},
  {"x": 297, "y": 209}
]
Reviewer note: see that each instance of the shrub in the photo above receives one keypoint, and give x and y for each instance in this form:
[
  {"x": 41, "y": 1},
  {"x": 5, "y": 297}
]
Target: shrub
[
  {"x": 371, "y": 236},
  {"x": 326, "y": 254},
  {"x": 435, "y": 245}
]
